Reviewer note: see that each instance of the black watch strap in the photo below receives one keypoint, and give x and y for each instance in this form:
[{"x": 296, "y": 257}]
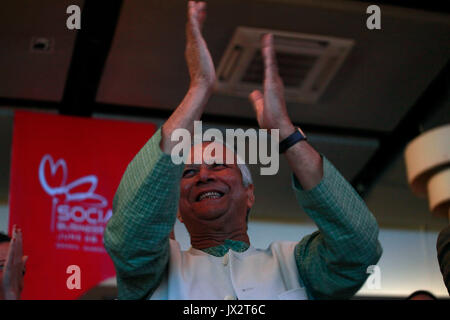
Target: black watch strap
[{"x": 295, "y": 137}]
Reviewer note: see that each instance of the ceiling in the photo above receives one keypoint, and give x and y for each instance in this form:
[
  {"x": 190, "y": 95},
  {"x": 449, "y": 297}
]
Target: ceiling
[
  {"x": 146, "y": 64},
  {"x": 28, "y": 74},
  {"x": 128, "y": 62}
]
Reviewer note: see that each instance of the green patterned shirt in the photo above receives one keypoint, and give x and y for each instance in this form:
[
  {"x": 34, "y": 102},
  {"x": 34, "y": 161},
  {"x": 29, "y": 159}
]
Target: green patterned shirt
[{"x": 332, "y": 262}]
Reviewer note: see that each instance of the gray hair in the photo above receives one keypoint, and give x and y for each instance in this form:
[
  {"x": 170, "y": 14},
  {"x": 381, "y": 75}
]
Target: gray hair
[
  {"x": 246, "y": 181},
  {"x": 246, "y": 175},
  {"x": 245, "y": 171}
]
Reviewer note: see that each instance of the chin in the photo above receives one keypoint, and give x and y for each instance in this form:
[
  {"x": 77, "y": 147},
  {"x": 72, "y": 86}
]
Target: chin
[{"x": 209, "y": 212}]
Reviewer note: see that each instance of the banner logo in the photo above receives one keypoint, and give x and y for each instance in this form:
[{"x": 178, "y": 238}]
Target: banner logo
[{"x": 79, "y": 215}]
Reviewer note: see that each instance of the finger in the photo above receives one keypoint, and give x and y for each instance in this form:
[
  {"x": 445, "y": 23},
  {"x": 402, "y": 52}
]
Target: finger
[
  {"x": 191, "y": 5},
  {"x": 18, "y": 252},
  {"x": 268, "y": 53},
  {"x": 192, "y": 11},
  {"x": 195, "y": 9},
  {"x": 201, "y": 13},
  {"x": 193, "y": 23},
  {"x": 257, "y": 100}
]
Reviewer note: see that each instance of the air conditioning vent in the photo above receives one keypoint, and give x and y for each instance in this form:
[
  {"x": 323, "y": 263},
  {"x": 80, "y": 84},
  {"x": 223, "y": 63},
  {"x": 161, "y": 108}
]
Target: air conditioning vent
[
  {"x": 293, "y": 68},
  {"x": 306, "y": 63}
]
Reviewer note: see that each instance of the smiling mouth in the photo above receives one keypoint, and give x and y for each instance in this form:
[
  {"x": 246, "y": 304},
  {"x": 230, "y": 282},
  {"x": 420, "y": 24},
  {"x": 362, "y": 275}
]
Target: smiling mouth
[{"x": 209, "y": 195}]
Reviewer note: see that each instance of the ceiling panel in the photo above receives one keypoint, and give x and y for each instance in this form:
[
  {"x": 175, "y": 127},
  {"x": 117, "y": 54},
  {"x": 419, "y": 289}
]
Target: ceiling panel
[
  {"x": 383, "y": 76},
  {"x": 28, "y": 74}
]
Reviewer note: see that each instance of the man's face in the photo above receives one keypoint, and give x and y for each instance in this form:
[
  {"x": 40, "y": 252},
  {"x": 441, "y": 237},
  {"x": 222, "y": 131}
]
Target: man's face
[{"x": 212, "y": 193}]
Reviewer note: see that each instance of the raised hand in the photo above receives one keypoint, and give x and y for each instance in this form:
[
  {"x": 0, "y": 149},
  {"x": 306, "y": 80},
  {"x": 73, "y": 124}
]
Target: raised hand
[
  {"x": 270, "y": 107},
  {"x": 199, "y": 61},
  {"x": 12, "y": 282},
  {"x": 202, "y": 74}
]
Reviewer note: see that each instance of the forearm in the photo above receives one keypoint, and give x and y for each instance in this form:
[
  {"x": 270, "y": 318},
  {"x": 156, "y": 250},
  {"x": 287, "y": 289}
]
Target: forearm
[
  {"x": 333, "y": 261},
  {"x": 144, "y": 211},
  {"x": 304, "y": 160},
  {"x": 189, "y": 110}
]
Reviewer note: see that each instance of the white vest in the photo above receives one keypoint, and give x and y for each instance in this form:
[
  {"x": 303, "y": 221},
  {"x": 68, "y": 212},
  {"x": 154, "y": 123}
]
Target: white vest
[{"x": 253, "y": 274}]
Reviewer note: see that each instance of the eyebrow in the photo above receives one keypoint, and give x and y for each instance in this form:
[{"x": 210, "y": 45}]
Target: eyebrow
[{"x": 191, "y": 166}]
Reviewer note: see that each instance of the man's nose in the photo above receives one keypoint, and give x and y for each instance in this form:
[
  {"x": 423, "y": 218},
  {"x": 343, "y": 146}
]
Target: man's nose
[{"x": 205, "y": 175}]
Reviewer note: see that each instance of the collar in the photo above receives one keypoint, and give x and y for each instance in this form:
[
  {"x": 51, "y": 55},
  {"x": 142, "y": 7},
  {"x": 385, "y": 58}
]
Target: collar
[{"x": 221, "y": 250}]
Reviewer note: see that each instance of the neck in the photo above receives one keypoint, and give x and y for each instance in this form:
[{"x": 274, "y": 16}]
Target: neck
[
  {"x": 212, "y": 239},
  {"x": 207, "y": 233}
]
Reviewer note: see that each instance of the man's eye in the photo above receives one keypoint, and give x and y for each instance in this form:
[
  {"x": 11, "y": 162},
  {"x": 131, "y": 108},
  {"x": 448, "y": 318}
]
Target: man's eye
[
  {"x": 188, "y": 173},
  {"x": 218, "y": 166}
]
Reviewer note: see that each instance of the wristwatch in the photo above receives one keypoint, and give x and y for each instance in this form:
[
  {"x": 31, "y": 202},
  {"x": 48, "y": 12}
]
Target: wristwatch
[{"x": 292, "y": 139}]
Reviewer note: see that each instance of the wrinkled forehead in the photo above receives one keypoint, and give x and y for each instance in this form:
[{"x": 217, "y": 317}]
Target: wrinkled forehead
[{"x": 211, "y": 152}]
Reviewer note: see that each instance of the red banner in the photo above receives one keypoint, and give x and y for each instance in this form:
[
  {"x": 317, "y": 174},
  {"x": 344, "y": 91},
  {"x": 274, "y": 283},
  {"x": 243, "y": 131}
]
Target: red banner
[{"x": 64, "y": 173}]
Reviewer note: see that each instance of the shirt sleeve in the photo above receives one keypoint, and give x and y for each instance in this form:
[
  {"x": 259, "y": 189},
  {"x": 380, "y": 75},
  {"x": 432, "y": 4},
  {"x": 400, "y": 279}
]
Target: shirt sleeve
[
  {"x": 144, "y": 212},
  {"x": 333, "y": 261}
]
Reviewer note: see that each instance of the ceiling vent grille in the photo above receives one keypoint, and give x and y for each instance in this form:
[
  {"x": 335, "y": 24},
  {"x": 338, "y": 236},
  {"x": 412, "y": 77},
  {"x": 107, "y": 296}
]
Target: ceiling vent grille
[{"x": 306, "y": 63}]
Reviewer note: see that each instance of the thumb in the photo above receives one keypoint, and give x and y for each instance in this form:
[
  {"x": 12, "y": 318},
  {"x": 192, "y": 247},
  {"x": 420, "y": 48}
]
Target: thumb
[{"x": 257, "y": 100}]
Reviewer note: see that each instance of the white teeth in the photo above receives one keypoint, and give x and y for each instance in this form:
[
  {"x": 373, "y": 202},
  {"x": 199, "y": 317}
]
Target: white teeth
[{"x": 209, "y": 195}]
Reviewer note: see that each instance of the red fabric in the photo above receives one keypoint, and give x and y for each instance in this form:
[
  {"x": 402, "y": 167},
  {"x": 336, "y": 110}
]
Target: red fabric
[{"x": 64, "y": 173}]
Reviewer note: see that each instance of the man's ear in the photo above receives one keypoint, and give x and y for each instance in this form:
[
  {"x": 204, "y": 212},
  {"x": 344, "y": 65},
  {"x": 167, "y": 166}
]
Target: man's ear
[{"x": 250, "y": 196}]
